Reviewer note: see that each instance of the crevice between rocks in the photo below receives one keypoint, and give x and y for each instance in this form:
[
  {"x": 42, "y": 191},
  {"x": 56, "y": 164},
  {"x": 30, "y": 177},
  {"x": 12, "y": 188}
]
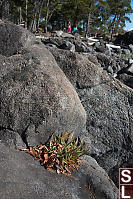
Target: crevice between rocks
[
  {"x": 78, "y": 86},
  {"x": 24, "y": 136}
]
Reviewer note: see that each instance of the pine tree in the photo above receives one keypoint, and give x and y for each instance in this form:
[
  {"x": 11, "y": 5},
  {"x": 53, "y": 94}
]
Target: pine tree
[
  {"x": 117, "y": 11},
  {"x": 102, "y": 15}
]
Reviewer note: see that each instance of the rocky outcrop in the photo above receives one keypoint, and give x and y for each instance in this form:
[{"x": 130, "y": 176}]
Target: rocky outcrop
[
  {"x": 37, "y": 100},
  {"x": 109, "y": 107},
  {"x": 113, "y": 58}
]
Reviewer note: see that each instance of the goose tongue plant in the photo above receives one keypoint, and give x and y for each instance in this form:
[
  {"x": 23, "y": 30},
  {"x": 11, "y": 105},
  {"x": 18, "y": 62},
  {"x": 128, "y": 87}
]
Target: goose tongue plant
[{"x": 61, "y": 154}]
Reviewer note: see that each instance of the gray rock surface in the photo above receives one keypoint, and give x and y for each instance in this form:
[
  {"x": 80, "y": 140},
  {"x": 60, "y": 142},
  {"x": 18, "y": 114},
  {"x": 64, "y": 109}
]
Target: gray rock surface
[
  {"x": 125, "y": 39},
  {"x": 23, "y": 177},
  {"x": 67, "y": 45},
  {"x": 127, "y": 79},
  {"x": 81, "y": 46},
  {"x": 130, "y": 61},
  {"x": 109, "y": 107},
  {"x": 13, "y": 39},
  {"x": 57, "y": 41},
  {"x": 36, "y": 97},
  {"x": 100, "y": 47},
  {"x": 126, "y": 51},
  {"x": 131, "y": 47},
  {"x": 114, "y": 59},
  {"x": 130, "y": 68},
  {"x": 80, "y": 70},
  {"x": 36, "y": 100},
  {"x": 67, "y": 35},
  {"x": 59, "y": 33},
  {"x": 100, "y": 184},
  {"x": 107, "y": 61}
]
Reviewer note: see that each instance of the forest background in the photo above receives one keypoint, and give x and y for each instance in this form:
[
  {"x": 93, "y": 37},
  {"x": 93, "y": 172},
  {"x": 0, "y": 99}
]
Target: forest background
[{"x": 107, "y": 17}]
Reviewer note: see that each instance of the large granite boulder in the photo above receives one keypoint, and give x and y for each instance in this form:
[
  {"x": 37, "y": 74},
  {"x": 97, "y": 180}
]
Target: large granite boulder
[
  {"x": 36, "y": 97},
  {"x": 109, "y": 107}
]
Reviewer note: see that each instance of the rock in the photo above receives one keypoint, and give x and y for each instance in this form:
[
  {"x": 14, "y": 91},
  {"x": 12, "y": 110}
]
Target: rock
[
  {"x": 59, "y": 33},
  {"x": 126, "y": 51},
  {"x": 13, "y": 39},
  {"x": 108, "y": 52},
  {"x": 100, "y": 185},
  {"x": 130, "y": 61},
  {"x": 125, "y": 39},
  {"x": 130, "y": 68},
  {"x": 11, "y": 139},
  {"x": 91, "y": 58},
  {"x": 36, "y": 98},
  {"x": 67, "y": 35},
  {"x": 126, "y": 79},
  {"x": 110, "y": 70},
  {"x": 78, "y": 68},
  {"x": 67, "y": 45},
  {"x": 108, "y": 63},
  {"x": 51, "y": 45},
  {"x": 100, "y": 47},
  {"x": 109, "y": 107},
  {"x": 52, "y": 41},
  {"x": 113, "y": 48},
  {"x": 23, "y": 177},
  {"x": 82, "y": 47},
  {"x": 72, "y": 49},
  {"x": 131, "y": 47}
]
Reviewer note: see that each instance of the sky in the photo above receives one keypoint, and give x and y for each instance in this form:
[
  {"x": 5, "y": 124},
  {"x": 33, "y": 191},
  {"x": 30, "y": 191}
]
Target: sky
[{"x": 129, "y": 26}]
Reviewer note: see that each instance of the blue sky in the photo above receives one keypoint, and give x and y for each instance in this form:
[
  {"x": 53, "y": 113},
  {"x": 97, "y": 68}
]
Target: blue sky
[{"x": 129, "y": 26}]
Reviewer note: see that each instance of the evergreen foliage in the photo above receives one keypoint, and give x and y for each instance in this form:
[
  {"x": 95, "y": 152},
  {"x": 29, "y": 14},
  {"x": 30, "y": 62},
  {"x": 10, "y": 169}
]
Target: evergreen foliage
[
  {"x": 61, "y": 154},
  {"x": 106, "y": 16}
]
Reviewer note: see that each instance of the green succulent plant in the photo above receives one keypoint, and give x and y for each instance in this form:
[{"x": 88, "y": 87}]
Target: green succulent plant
[{"x": 61, "y": 154}]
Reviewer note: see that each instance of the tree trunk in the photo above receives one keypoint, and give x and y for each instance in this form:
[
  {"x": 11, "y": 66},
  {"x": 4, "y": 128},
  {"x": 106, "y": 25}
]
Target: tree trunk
[
  {"x": 20, "y": 15},
  {"x": 39, "y": 13},
  {"x": 5, "y": 10},
  {"x": 34, "y": 24},
  {"x": 88, "y": 24},
  {"x": 26, "y": 13},
  {"x": 47, "y": 14}
]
